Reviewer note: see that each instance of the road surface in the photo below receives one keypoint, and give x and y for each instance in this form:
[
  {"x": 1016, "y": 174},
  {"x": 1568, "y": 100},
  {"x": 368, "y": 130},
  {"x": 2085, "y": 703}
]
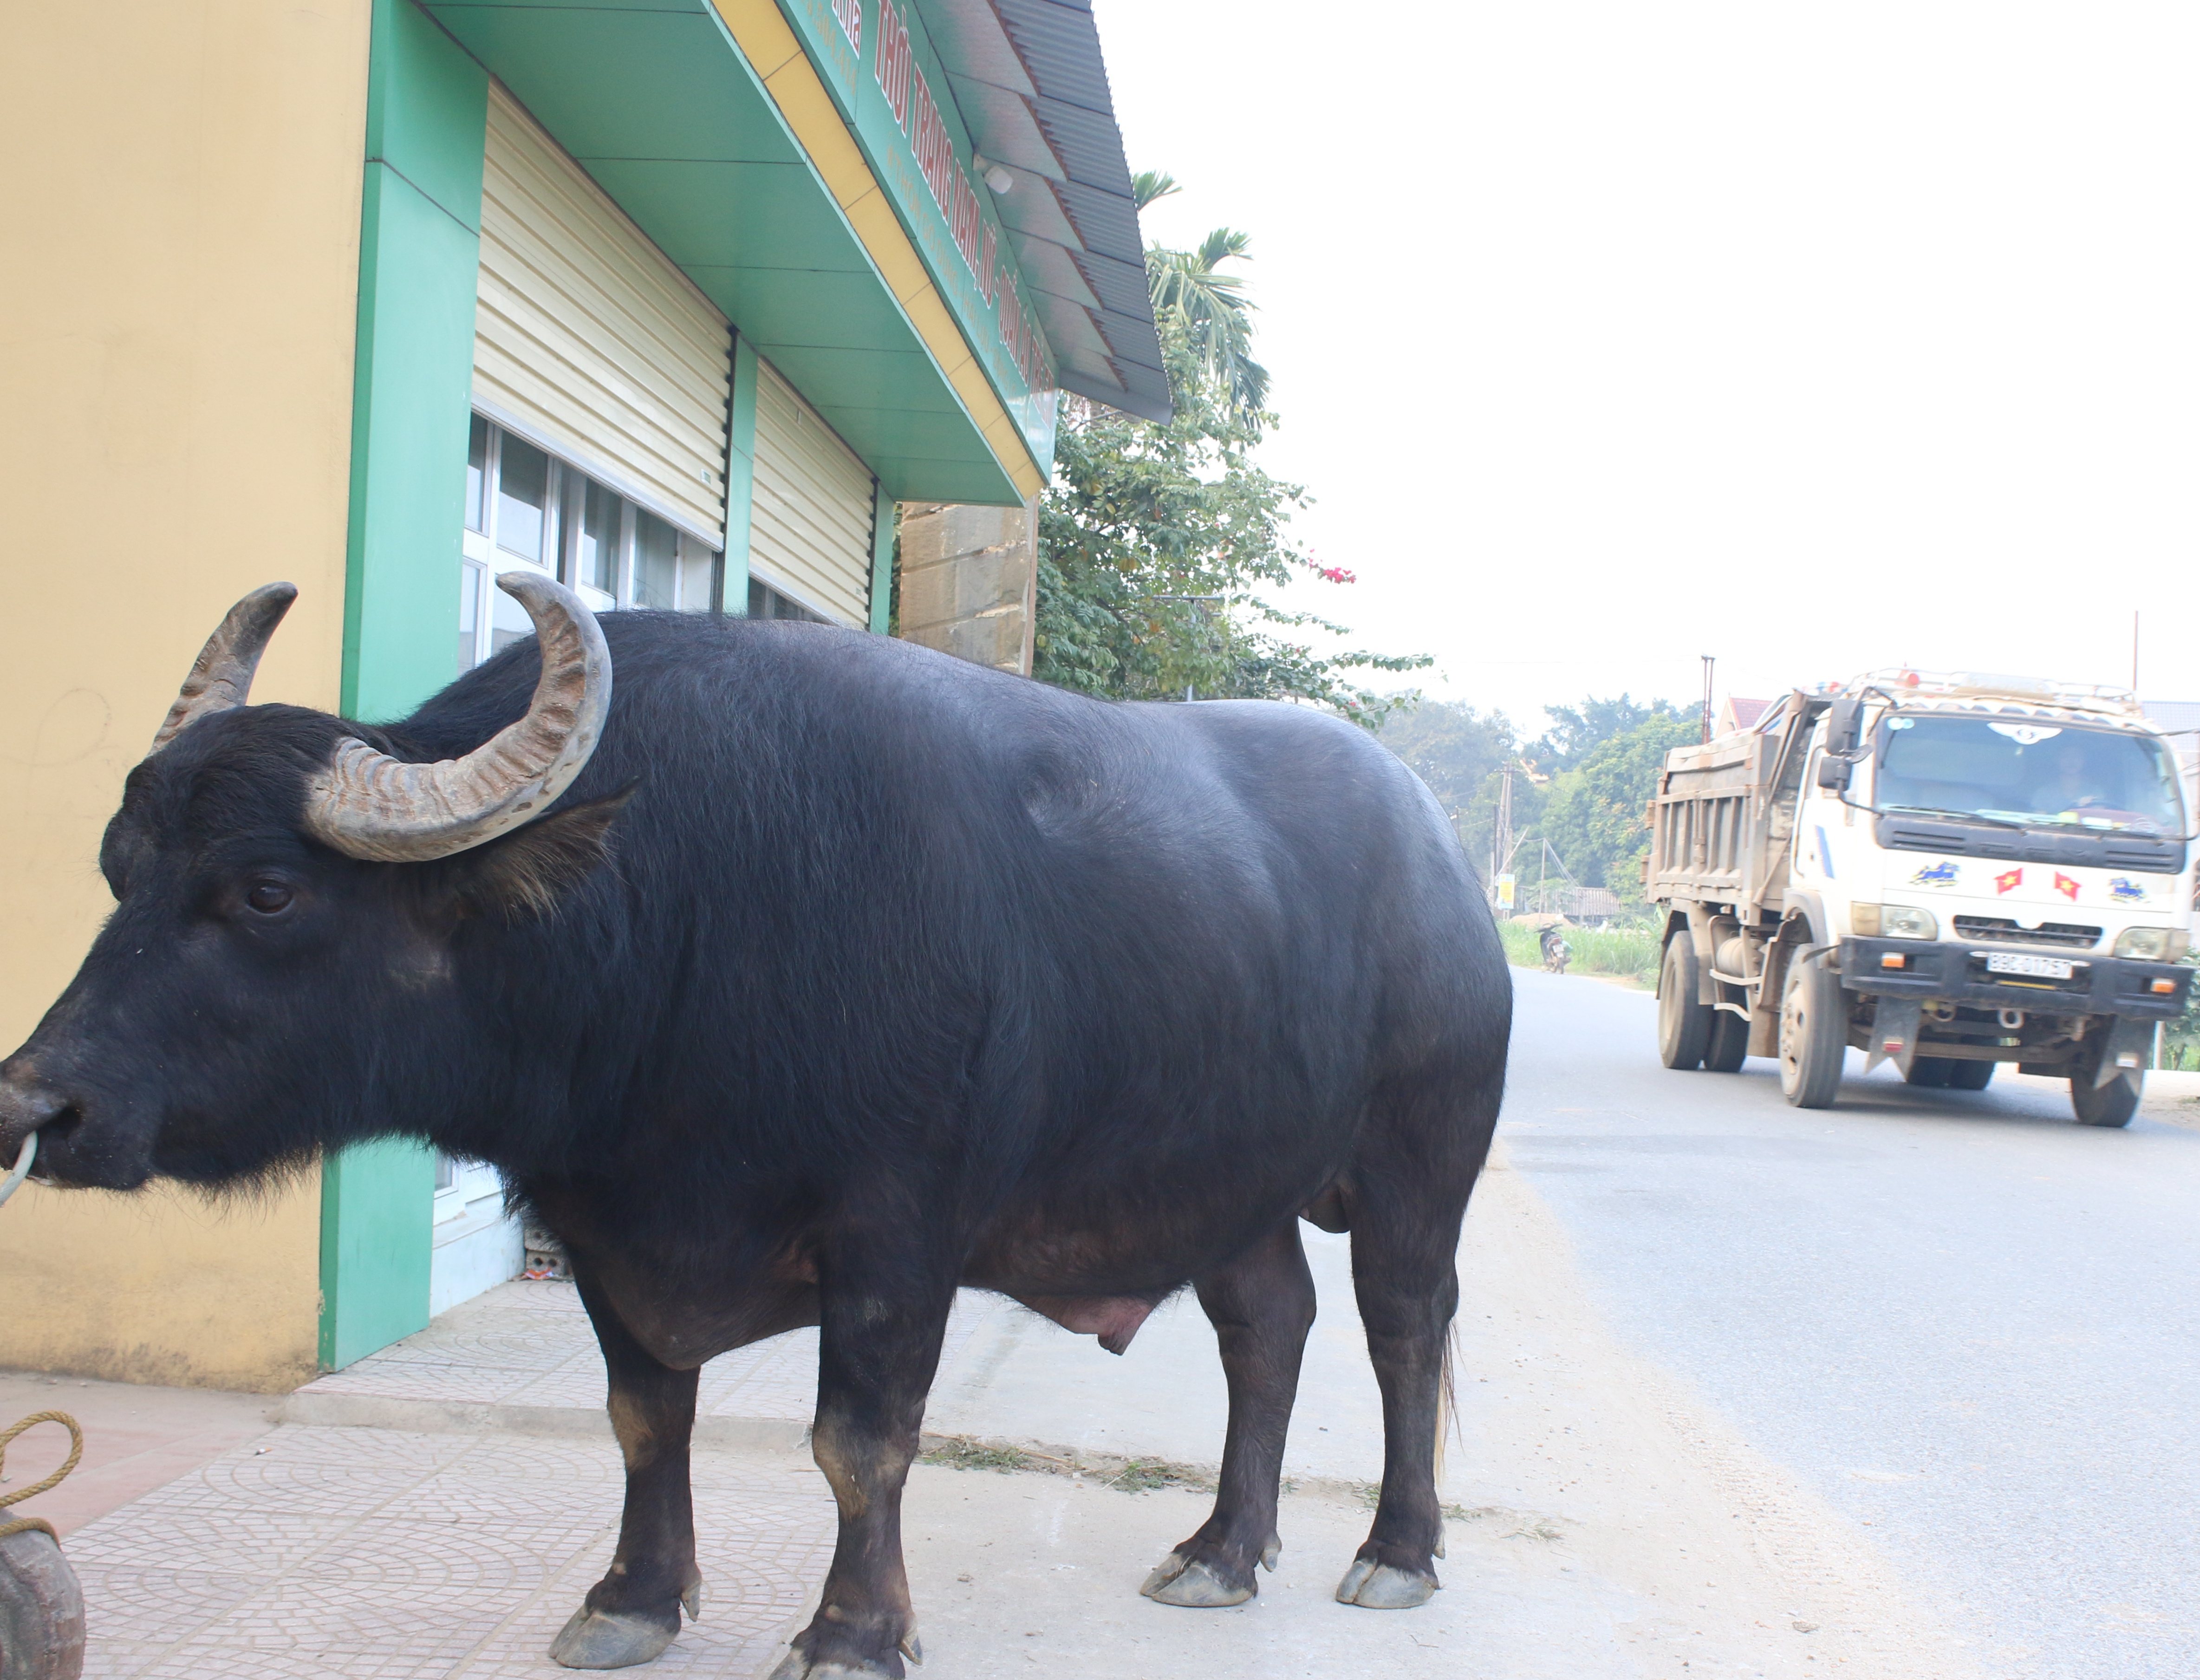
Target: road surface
[{"x": 1958, "y": 1319}]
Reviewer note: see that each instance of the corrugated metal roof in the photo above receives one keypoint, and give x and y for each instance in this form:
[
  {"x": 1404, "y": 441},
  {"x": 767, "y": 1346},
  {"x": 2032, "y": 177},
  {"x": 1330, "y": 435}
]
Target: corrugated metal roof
[{"x": 1029, "y": 82}]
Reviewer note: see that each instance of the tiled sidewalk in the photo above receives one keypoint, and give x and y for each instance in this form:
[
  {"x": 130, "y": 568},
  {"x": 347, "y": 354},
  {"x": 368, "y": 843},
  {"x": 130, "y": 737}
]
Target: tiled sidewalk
[
  {"x": 458, "y": 1547},
  {"x": 374, "y": 1554}
]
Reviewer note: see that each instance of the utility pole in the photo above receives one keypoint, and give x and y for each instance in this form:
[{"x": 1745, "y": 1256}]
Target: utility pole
[
  {"x": 1709, "y": 661},
  {"x": 1500, "y": 839}
]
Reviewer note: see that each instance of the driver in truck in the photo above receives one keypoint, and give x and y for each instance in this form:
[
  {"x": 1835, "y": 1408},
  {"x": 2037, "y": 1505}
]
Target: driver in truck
[{"x": 2074, "y": 785}]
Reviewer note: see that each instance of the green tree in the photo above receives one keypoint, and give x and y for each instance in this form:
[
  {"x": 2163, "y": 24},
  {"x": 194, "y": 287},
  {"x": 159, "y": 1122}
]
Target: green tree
[
  {"x": 1155, "y": 541},
  {"x": 1592, "y": 814},
  {"x": 1576, "y": 731}
]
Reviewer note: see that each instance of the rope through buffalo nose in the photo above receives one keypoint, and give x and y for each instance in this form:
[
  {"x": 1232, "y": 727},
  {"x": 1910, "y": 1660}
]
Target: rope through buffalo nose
[
  {"x": 22, "y": 1525},
  {"x": 16, "y": 1174}
]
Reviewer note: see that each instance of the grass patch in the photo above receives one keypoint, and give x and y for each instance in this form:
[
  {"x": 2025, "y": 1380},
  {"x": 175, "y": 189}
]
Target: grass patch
[
  {"x": 1130, "y": 1475},
  {"x": 1631, "y": 953},
  {"x": 958, "y": 1452}
]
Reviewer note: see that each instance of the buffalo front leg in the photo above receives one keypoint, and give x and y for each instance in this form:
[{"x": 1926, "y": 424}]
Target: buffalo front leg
[
  {"x": 633, "y": 1614},
  {"x": 879, "y": 1338},
  {"x": 1261, "y": 1306}
]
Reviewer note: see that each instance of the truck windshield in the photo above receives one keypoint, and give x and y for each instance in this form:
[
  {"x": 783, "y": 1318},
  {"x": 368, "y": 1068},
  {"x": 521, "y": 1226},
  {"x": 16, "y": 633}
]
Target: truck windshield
[{"x": 2027, "y": 771}]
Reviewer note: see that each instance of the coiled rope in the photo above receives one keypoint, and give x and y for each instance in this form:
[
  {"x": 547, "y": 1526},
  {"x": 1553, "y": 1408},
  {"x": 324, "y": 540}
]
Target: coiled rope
[
  {"x": 21, "y": 1169},
  {"x": 21, "y": 1524}
]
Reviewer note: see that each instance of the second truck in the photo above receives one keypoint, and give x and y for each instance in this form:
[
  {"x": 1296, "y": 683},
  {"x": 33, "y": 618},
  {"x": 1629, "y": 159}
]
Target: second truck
[{"x": 1948, "y": 871}]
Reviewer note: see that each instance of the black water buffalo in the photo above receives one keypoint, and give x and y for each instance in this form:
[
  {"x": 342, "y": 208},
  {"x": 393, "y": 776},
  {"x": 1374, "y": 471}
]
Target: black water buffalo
[{"x": 816, "y": 976}]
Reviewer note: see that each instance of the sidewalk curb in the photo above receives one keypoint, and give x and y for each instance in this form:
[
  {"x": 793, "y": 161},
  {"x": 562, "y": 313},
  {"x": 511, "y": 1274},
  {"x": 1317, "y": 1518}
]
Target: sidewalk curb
[{"x": 436, "y": 1417}]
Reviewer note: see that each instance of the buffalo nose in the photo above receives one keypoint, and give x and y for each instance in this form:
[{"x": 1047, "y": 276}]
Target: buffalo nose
[{"x": 26, "y": 1104}]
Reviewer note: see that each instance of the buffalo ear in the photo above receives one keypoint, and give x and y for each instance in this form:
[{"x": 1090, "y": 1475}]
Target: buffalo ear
[{"x": 530, "y": 870}]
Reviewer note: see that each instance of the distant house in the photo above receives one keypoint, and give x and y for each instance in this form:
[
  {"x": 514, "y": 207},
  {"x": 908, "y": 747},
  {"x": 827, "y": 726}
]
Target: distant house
[
  {"x": 1738, "y": 714},
  {"x": 1593, "y": 906}
]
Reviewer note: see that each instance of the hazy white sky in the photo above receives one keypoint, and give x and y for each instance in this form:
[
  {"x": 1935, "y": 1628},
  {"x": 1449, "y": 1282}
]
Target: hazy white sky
[{"x": 1611, "y": 334}]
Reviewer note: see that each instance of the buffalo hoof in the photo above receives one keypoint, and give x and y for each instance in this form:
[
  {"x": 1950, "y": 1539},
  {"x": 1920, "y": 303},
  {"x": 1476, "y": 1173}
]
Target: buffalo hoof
[
  {"x": 1192, "y": 1584},
  {"x": 1379, "y": 1586},
  {"x": 795, "y": 1665},
  {"x": 609, "y": 1639}
]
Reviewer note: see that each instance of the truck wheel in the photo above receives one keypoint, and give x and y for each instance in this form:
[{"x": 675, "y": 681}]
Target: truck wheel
[
  {"x": 1933, "y": 1070},
  {"x": 1970, "y": 1075},
  {"x": 1813, "y": 1035},
  {"x": 2110, "y": 1104},
  {"x": 1727, "y": 1046},
  {"x": 1684, "y": 1026}
]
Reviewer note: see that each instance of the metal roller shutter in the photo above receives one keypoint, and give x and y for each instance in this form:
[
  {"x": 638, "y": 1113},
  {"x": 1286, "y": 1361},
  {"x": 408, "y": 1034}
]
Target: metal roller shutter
[
  {"x": 588, "y": 341},
  {"x": 810, "y": 530}
]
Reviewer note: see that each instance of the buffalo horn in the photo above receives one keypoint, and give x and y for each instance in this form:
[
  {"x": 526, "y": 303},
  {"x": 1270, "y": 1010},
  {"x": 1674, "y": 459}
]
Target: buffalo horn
[
  {"x": 371, "y": 806},
  {"x": 221, "y": 676}
]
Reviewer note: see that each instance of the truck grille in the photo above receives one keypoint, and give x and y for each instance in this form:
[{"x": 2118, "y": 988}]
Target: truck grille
[{"x": 2001, "y": 928}]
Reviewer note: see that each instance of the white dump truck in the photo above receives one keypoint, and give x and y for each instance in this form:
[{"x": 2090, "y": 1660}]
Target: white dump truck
[{"x": 1946, "y": 870}]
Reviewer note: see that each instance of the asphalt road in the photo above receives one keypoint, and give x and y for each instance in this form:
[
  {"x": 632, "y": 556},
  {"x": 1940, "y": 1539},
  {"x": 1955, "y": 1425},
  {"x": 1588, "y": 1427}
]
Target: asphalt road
[{"x": 1962, "y": 1319}]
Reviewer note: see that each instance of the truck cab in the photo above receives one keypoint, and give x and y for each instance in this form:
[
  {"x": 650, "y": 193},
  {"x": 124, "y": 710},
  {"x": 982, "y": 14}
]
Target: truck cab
[{"x": 1947, "y": 870}]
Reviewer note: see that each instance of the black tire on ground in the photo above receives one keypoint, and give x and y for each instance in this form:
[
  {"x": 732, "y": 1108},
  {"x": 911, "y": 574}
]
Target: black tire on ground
[
  {"x": 1813, "y": 1035},
  {"x": 1727, "y": 1046},
  {"x": 2110, "y": 1104},
  {"x": 1970, "y": 1075},
  {"x": 1934, "y": 1070},
  {"x": 41, "y": 1609},
  {"x": 1684, "y": 1026}
]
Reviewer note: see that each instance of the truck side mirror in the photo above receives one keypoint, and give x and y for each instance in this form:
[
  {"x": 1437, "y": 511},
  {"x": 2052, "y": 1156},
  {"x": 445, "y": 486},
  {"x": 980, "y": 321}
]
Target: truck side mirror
[
  {"x": 1844, "y": 725},
  {"x": 1835, "y": 773}
]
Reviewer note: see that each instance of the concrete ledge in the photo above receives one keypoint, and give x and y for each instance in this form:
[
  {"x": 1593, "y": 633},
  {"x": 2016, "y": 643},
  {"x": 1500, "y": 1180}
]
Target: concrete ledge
[{"x": 439, "y": 1417}]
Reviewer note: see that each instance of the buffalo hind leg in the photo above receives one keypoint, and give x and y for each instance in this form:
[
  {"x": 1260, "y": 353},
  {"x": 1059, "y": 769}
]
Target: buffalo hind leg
[
  {"x": 1261, "y": 1306},
  {"x": 634, "y": 1613},
  {"x": 1407, "y": 1206},
  {"x": 879, "y": 1339}
]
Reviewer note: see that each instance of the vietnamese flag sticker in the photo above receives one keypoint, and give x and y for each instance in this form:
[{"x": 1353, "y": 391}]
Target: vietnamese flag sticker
[
  {"x": 2008, "y": 879},
  {"x": 2066, "y": 887}
]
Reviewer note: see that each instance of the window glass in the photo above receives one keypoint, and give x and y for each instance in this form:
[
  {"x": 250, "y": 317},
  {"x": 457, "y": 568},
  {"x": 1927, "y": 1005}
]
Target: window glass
[
  {"x": 595, "y": 549},
  {"x": 656, "y": 561},
  {"x": 766, "y": 602},
  {"x": 469, "y": 582},
  {"x": 523, "y": 499},
  {"x": 507, "y": 620},
  {"x": 2030, "y": 773},
  {"x": 477, "y": 472}
]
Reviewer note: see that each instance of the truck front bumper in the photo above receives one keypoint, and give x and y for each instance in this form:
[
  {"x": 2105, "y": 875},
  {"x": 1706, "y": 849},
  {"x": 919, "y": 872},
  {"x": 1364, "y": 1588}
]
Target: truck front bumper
[{"x": 1959, "y": 973}]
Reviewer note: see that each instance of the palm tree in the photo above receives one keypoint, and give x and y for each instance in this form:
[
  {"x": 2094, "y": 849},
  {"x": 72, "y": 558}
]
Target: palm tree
[{"x": 1210, "y": 307}]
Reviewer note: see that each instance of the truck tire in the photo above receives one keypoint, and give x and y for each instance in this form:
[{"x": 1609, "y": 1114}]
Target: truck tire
[
  {"x": 1813, "y": 1035},
  {"x": 1930, "y": 1071},
  {"x": 1727, "y": 1046},
  {"x": 1970, "y": 1075},
  {"x": 2110, "y": 1104},
  {"x": 1684, "y": 1026}
]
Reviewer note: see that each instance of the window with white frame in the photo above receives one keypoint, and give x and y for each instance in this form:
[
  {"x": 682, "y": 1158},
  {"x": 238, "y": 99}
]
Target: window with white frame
[{"x": 526, "y": 508}]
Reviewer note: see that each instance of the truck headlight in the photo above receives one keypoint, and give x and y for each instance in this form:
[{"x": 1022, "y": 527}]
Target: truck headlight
[
  {"x": 2152, "y": 944},
  {"x": 1892, "y": 922}
]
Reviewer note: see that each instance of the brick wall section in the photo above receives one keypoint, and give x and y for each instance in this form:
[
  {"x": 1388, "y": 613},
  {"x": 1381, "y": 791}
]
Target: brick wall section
[{"x": 969, "y": 578}]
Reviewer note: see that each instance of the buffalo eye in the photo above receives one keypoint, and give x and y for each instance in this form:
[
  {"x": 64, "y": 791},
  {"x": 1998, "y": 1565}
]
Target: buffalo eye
[{"x": 269, "y": 897}]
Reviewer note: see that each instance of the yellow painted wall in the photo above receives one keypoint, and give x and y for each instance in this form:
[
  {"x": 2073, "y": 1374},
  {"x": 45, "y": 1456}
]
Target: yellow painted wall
[{"x": 180, "y": 183}]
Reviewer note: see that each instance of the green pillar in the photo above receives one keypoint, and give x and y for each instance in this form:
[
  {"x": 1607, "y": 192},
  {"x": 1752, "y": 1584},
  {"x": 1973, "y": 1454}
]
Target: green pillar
[
  {"x": 740, "y": 474},
  {"x": 882, "y": 559},
  {"x": 413, "y": 382}
]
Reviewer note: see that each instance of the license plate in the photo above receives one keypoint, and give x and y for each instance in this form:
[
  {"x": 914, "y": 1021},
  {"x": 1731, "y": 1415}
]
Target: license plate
[{"x": 2042, "y": 967}]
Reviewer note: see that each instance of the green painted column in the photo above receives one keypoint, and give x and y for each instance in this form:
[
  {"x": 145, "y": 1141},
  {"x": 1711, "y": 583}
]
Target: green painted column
[
  {"x": 740, "y": 474},
  {"x": 420, "y": 263},
  {"x": 883, "y": 509}
]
